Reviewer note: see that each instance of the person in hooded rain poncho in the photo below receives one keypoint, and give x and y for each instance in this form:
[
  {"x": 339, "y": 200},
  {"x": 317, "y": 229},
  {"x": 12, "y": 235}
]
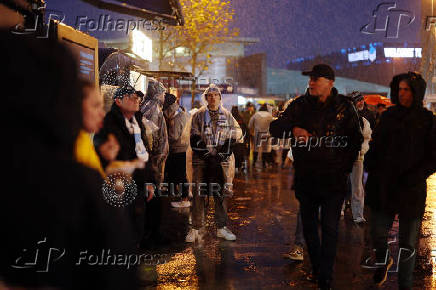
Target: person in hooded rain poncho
[
  {"x": 154, "y": 122},
  {"x": 213, "y": 131},
  {"x": 401, "y": 156},
  {"x": 177, "y": 119}
]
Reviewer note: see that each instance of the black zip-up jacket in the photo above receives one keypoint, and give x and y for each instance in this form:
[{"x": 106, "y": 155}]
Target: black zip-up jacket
[{"x": 337, "y": 136}]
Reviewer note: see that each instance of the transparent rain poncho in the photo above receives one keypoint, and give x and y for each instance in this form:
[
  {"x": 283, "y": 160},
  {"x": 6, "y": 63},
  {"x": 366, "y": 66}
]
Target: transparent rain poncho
[
  {"x": 224, "y": 127},
  {"x": 154, "y": 122},
  {"x": 114, "y": 73}
]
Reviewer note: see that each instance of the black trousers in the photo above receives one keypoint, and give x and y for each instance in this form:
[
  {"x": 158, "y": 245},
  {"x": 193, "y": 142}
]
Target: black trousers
[
  {"x": 315, "y": 199},
  {"x": 175, "y": 173}
]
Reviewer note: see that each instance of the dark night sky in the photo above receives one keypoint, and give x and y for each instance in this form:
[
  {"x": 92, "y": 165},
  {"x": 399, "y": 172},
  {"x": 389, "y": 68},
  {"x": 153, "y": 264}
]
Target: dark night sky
[
  {"x": 297, "y": 28},
  {"x": 290, "y": 28}
]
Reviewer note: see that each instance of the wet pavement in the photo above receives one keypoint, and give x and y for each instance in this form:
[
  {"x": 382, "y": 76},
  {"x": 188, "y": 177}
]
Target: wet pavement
[{"x": 263, "y": 215}]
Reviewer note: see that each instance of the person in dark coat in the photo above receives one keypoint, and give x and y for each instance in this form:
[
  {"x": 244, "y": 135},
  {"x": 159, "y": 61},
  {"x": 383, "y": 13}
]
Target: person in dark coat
[
  {"x": 401, "y": 157},
  {"x": 326, "y": 139},
  {"x": 240, "y": 149},
  {"x": 49, "y": 202},
  {"x": 124, "y": 121}
]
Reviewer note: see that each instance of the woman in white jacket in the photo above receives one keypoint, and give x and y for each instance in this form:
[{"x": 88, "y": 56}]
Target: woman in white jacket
[
  {"x": 357, "y": 190},
  {"x": 259, "y": 124}
]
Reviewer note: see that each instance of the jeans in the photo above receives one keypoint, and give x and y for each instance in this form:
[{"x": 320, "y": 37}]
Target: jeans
[
  {"x": 322, "y": 254},
  {"x": 200, "y": 196},
  {"x": 357, "y": 192},
  {"x": 381, "y": 223}
]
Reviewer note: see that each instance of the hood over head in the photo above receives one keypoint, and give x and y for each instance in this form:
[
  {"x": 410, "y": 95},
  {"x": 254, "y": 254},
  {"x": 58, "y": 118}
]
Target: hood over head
[
  {"x": 211, "y": 88},
  {"x": 416, "y": 83},
  {"x": 154, "y": 89},
  {"x": 169, "y": 100}
]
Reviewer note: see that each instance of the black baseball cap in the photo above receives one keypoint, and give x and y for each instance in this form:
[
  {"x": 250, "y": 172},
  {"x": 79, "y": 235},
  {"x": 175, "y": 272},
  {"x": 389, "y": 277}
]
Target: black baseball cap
[
  {"x": 125, "y": 90},
  {"x": 356, "y": 96},
  {"x": 321, "y": 70}
]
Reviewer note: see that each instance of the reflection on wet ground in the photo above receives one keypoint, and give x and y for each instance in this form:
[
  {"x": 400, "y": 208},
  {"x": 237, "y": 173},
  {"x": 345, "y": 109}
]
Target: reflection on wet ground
[{"x": 263, "y": 214}]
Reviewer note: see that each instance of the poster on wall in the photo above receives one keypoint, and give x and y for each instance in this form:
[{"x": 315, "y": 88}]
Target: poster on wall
[{"x": 85, "y": 49}]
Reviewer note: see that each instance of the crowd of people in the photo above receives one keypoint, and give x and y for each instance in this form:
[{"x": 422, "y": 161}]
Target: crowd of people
[
  {"x": 65, "y": 148},
  {"x": 397, "y": 148}
]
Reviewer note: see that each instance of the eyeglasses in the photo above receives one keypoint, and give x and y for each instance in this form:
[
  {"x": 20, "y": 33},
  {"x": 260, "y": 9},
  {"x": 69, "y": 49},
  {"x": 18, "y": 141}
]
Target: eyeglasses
[{"x": 135, "y": 97}]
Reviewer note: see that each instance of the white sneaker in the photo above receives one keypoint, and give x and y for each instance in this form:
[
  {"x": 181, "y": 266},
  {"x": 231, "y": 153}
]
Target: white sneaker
[
  {"x": 360, "y": 220},
  {"x": 179, "y": 204},
  {"x": 226, "y": 234},
  {"x": 296, "y": 254},
  {"x": 192, "y": 236}
]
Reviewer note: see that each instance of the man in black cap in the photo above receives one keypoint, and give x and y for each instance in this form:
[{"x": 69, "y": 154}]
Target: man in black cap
[
  {"x": 124, "y": 121},
  {"x": 364, "y": 112},
  {"x": 326, "y": 139}
]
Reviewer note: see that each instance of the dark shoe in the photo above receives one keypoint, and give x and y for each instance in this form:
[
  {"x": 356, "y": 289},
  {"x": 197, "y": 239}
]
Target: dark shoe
[
  {"x": 324, "y": 284},
  {"x": 312, "y": 277},
  {"x": 381, "y": 273}
]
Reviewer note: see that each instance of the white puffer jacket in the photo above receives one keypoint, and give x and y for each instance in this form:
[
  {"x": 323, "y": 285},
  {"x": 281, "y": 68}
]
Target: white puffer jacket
[{"x": 366, "y": 138}]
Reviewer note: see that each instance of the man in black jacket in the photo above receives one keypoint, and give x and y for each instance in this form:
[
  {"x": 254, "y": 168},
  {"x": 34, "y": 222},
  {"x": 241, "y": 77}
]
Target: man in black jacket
[
  {"x": 326, "y": 139},
  {"x": 401, "y": 157},
  {"x": 124, "y": 121}
]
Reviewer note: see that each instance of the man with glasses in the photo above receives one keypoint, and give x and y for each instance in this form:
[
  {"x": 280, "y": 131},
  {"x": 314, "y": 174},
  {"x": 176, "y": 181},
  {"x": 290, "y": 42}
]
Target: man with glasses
[
  {"x": 124, "y": 121},
  {"x": 326, "y": 139}
]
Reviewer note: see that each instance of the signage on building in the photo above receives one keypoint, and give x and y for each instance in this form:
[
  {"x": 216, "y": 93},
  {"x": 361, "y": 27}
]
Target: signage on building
[
  {"x": 403, "y": 52},
  {"x": 367, "y": 54},
  {"x": 84, "y": 49},
  {"x": 142, "y": 45}
]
